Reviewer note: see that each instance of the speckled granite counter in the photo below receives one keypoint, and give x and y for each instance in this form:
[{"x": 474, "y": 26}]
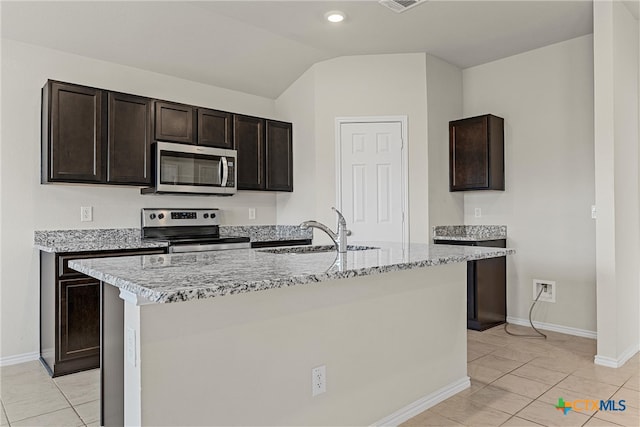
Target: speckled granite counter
[
  {"x": 99, "y": 239},
  {"x": 183, "y": 277},
  {"x": 265, "y": 233},
  {"x": 103, "y": 239},
  {"x": 469, "y": 233}
]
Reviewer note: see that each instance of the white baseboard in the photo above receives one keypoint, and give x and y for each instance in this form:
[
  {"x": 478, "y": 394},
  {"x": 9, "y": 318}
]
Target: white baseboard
[
  {"x": 611, "y": 362},
  {"x": 19, "y": 358},
  {"x": 424, "y": 403},
  {"x": 555, "y": 328}
]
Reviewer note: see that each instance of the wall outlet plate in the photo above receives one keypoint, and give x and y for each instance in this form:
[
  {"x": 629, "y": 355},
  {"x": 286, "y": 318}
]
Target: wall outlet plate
[
  {"x": 86, "y": 213},
  {"x": 252, "y": 213},
  {"x": 548, "y": 295},
  {"x": 318, "y": 380}
]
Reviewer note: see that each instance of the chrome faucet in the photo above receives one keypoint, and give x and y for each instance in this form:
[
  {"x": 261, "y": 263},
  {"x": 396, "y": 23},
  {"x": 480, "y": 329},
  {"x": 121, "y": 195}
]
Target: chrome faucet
[{"x": 339, "y": 237}]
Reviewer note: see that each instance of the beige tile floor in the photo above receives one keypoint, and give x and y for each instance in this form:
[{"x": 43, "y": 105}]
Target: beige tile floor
[
  {"x": 514, "y": 382},
  {"x": 29, "y": 397},
  {"x": 517, "y": 382}
]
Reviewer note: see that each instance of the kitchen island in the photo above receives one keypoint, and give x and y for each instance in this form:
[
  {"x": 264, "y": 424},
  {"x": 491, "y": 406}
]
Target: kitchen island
[{"x": 388, "y": 323}]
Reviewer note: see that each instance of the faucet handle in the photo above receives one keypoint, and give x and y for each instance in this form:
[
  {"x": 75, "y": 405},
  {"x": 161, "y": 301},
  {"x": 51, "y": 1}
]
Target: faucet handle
[{"x": 348, "y": 233}]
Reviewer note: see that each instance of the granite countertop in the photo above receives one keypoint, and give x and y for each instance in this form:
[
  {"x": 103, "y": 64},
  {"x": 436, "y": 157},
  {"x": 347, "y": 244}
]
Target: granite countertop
[
  {"x": 182, "y": 277},
  {"x": 105, "y": 239},
  {"x": 469, "y": 233},
  {"x": 98, "y": 239}
]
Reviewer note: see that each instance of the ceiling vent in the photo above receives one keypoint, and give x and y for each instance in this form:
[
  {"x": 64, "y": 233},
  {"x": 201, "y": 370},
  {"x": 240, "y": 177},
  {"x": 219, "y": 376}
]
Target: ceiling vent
[{"x": 400, "y": 5}]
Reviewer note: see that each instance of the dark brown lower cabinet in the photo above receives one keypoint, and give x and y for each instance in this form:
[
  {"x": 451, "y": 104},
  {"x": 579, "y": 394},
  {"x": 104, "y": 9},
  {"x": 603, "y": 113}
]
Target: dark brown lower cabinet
[
  {"x": 70, "y": 312},
  {"x": 486, "y": 287}
]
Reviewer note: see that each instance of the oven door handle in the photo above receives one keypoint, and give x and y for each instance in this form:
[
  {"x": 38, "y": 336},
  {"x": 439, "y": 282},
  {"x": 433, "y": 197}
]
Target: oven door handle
[
  {"x": 196, "y": 247},
  {"x": 225, "y": 171}
]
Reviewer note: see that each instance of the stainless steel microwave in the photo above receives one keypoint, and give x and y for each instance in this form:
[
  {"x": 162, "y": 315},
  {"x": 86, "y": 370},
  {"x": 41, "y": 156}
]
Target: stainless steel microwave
[{"x": 192, "y": 169}]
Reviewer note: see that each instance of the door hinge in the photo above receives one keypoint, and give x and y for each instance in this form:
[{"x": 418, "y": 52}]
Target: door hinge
[{"x": 403, "y": 217}]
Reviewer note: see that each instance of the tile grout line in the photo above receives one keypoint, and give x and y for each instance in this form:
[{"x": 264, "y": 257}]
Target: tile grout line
[
  {"x": 69, "y": 402},
  {"x": 536, "y": 399},
  {"x": 5, "y": 412}
]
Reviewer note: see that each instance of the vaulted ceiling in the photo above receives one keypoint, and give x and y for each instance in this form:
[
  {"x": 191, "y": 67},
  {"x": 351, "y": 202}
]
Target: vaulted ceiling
[{"x": 261, "y": 47}]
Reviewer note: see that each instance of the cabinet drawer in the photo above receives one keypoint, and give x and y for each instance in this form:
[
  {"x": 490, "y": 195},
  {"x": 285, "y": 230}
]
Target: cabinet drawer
[{"x": 66, "y": 272}]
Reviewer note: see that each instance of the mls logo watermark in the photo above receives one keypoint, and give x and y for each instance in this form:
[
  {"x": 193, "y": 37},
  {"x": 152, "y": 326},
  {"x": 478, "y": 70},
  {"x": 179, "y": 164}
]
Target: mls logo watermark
[{"x": 591, "y": 405}]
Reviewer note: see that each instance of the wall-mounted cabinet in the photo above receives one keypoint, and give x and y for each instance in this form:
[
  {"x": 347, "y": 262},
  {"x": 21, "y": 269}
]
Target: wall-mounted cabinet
[
  {"x": 94, "y": 136},
  {"x": 249, "y": 140},
  {"x": 476, "y": 153},
  {"x": 97, "y": 136},
  {"x": 265, "y": 157},
  {"x": 278, "y": 156},
  {"x": 72, "y": 134},
  {"x": 215, "y": 128},
  {"x": 174, "y": 122},
  {"x": 129, "y": 139}
]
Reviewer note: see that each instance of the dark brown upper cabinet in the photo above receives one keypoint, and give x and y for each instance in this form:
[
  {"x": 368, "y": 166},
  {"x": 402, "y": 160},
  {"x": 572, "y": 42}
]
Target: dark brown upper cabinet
[
  {"x": 278, "y": 156},
  {"x": 249, "y": 141},
  {"x": 476, "y": 153},
  {"x": 215, "y": 128},
  {"x": 174, "y": 122},
  {"x": 129, "y": 139},
  {"x": 98, "y": 136},
  {"x": 72, "y": 140}
]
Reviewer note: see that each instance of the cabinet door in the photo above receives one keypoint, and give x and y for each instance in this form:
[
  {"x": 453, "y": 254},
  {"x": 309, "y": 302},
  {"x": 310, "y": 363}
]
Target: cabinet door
[
  {"x": 79, "y": 311},
  {"x": 476, "y": 154},
  {"x": 279, "y": 156},
  {"x": 215, "y": 128},
  {"x": 174, "y": 122},
  {"x": 129, "y": 140},
  {"x": 72, "y": 143},
  {"x": 249, "y": 140}
]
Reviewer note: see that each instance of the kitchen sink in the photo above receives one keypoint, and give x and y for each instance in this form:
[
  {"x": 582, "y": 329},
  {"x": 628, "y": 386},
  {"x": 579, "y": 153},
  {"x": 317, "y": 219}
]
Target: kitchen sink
[{"x": 314, "y": 249}]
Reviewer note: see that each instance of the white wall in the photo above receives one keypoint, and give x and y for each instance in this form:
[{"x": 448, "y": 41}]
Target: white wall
[
  {"x": 27, "y": 205},
  {"x": 372, "y": 333},
  {"x": 546, "y": 99},
  {"x": 297, "y": 103},
  {"x": 444, "y": 103},
  {"x": 617, "y": 189},
  {"x": 368, "y": 85}
]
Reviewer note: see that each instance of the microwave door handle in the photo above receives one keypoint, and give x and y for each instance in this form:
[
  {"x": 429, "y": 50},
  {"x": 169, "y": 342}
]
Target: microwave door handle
[{"x": 225, "y": 171}]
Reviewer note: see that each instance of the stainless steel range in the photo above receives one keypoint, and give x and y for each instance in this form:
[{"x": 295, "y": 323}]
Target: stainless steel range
[{"x": 188, "y": 230}]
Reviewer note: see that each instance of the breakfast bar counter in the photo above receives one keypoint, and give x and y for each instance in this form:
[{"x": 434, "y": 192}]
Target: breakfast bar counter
[
  {"x": 388, "y": 325},
  {"x": 181, "y": 277}
]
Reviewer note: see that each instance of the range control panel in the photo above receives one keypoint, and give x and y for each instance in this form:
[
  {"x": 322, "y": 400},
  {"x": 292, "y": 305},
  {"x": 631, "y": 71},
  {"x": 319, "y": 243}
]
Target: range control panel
[{"x": 152, "y": 217}]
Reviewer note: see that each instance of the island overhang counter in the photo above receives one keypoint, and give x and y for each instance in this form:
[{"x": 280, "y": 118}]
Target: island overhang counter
[{"x": 388, "y": 323}]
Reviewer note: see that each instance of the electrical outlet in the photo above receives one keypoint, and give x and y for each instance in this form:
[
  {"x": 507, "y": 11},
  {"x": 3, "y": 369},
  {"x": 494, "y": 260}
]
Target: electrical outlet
[
  {"x": 548, "y": 288},
  {"x": 478, "y": 212},
  {"x": 593, "y": 212},
  {"x": 252, "y": 213},
  {"x": 318, "y": 380},
  {"x": 86, "y": 213},
  {"x": 131, "y": 346}
]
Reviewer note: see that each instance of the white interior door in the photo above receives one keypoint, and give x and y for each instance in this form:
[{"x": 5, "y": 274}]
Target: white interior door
[{"x": 371, "y": 180}]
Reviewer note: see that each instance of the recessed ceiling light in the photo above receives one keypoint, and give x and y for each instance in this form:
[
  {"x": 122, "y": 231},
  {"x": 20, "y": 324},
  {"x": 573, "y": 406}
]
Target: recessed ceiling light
[{"x": 335, "y": 16}]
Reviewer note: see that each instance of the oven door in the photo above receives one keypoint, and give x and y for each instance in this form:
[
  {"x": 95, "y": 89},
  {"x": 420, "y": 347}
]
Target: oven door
[{"x": 181, "y": 168}]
